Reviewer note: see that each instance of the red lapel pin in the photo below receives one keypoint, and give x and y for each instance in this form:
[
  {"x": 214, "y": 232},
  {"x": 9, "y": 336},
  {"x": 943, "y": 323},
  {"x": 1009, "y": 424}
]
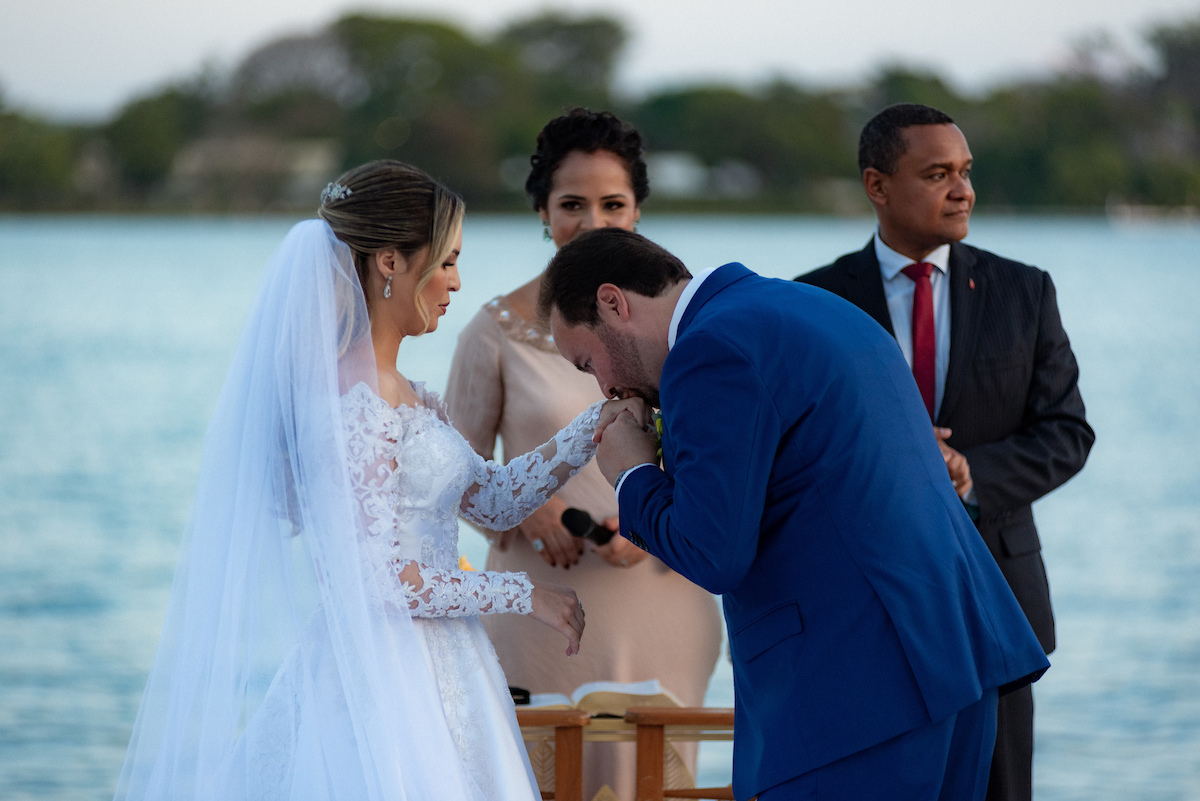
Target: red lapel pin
[{"x": 971, "y": 283}]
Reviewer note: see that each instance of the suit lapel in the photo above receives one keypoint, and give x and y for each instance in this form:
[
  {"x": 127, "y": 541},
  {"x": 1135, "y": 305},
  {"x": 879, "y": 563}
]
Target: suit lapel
[
  {"x": 864, "y": 286},
  {"x": 968, "y": 290}
]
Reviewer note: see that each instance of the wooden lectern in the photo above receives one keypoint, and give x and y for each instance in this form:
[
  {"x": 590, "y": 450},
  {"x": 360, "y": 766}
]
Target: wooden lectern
[{"x": 650, "y": 726}]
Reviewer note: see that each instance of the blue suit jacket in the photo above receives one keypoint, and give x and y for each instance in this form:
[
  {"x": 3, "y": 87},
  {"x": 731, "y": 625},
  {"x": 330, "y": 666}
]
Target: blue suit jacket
[{"x": 802, "y": 481}]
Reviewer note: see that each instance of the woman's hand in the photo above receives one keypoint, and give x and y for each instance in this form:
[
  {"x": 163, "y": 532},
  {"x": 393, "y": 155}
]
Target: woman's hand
[
  {"x": 560, "y": 609},
  {"x": 618, "y": 552},
  {"x": 558, "y": 547}
]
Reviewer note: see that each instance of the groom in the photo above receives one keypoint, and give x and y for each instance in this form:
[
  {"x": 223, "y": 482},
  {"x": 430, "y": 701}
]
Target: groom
[{"x": 870, "y": 630}]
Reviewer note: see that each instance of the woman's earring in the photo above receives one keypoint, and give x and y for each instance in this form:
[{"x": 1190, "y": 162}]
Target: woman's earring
[
  {"x": 635, "y": 223},
  {"x": 387, "y": 288},
  {"x": 546, "y": 232}
]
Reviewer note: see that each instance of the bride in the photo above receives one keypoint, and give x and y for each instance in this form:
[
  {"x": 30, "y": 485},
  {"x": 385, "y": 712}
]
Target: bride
[{"x": 321, "y": 642}]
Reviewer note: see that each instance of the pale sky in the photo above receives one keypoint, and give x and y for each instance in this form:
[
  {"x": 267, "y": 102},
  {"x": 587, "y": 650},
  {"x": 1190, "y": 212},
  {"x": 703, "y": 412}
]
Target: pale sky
[{"x": 83, "y": 58}]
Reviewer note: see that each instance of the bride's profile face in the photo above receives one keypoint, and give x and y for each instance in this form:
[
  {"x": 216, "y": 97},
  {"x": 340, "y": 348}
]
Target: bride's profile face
[
  {"x": 589, "y": 191},
  {"x": 435, "y": 295},
  {"x": 402, "y": 308}
]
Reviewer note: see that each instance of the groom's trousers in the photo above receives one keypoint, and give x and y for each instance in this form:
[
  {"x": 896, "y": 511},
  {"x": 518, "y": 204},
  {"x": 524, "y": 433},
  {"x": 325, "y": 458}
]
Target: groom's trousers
[{"x": 948, "y": 760}]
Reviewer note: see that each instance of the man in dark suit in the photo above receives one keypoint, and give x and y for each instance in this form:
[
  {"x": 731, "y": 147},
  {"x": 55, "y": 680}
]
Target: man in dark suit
[
  {"x": 984, "y": 340},
  {"x": 870, "y": 629}
]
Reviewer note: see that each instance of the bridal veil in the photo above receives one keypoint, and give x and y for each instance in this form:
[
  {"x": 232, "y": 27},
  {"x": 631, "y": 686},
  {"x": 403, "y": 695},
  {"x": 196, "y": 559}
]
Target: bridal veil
[{"x": 280, "y": 673}]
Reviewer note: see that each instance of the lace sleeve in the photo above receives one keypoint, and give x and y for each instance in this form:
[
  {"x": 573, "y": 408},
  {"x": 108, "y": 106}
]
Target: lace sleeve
[
  {"x": 431, "y": 592},
  {"x": 372, "y": 431},
  {"x": 501, "y": 496}
]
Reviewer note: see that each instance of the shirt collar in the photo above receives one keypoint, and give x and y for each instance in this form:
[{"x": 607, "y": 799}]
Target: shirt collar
[
  {"x": 891, "y": 262},
  {"x": 685, "y": 297}
]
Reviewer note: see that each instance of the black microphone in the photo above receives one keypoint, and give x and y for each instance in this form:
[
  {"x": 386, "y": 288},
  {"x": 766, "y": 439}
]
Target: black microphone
[{"x": 581, "y": 525}]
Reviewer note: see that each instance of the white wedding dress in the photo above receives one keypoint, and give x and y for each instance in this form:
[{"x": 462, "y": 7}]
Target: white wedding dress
[
  {"x": 414, "y": 474},
  {"x": 296, "y": 662}
]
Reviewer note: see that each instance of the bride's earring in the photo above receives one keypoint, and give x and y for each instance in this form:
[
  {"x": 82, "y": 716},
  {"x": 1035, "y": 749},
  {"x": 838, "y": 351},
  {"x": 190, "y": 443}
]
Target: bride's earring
[
  {"x": 387, "y": 288},
  {"x": 546, "y": 232}
]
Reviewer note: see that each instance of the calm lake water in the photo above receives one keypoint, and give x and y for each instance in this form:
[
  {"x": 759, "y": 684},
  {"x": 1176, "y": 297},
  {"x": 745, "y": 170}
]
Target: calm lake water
[{"x": 115, "y": 335}]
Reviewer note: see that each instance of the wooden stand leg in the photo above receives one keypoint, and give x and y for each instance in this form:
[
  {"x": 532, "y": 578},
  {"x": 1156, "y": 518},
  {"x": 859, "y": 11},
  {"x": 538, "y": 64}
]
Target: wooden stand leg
[
  {"x": 568, "y": 763},
  {"x": 651, "y": 723},
  {"x": 568, "y": 747},
  {"x": 649, "y": 763}
]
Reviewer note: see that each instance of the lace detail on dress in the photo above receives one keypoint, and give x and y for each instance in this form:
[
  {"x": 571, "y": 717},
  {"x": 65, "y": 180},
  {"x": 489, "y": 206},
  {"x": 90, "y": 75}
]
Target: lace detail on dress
[
  {"x": 449, "y": 650},
  {"x": 412, "y": 473},
  {"x": 504, "y": 495},
  {"x": 463, "y": 593},
  {"x": 517, "y": 328}
]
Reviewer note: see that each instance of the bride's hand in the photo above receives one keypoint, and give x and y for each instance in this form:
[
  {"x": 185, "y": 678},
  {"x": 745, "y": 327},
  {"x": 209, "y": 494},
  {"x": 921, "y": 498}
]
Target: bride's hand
[
  {"x": 560, "y": 609},
  {"x": 637, "y": 408}
]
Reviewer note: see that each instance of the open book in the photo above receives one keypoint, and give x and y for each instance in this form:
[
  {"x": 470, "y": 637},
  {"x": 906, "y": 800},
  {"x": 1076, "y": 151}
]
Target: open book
[{"x": 608, "y": 697}]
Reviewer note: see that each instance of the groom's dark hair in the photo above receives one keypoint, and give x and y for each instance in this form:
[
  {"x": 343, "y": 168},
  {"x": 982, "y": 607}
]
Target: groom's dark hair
[{"x": 604, "y": 256}]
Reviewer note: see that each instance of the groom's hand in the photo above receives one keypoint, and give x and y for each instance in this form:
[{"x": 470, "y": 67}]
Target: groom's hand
[
  {"x": 636, "y": 407},
  {"x": 625, "y": 442}
]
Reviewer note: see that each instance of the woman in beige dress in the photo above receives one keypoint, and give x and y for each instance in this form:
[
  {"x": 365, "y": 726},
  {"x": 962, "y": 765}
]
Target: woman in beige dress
[{"x": 644, "y": 620}]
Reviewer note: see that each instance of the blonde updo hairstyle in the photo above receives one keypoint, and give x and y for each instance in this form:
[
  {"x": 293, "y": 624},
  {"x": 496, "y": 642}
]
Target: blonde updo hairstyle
[{"x": 391, "y": 204}]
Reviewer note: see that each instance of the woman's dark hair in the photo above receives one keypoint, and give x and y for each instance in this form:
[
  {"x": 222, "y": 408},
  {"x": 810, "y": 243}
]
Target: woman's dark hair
[
  {"x": 588, "y": 131},
  {"x": 881, "y": 143},
  {"x": 604, "y": 256}
]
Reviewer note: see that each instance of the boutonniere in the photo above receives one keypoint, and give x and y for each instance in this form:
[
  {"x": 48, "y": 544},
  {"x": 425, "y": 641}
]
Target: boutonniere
[{"x": 656, "y": 420}]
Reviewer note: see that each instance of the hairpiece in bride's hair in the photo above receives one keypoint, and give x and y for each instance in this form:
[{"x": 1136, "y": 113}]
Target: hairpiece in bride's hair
[{"x": 334, "y": 191}]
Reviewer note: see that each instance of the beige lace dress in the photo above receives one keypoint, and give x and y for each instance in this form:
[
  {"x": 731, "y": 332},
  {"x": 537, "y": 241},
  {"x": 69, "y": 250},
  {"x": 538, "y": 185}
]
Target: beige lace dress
[{"x": 643, "y": 622}]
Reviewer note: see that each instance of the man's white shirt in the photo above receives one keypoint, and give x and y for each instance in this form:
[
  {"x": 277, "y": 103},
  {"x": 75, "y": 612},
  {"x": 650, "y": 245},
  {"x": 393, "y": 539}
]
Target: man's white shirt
[{"x": 898, "y": 289}]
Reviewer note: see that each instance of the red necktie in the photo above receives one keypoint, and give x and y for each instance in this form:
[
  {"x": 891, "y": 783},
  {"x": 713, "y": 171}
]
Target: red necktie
[{"x": 924, "y": 345}]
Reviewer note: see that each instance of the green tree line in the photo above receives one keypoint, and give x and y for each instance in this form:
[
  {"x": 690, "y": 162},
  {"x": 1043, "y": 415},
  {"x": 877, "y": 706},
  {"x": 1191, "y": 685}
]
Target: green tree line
[{"x": 467, "y": 108}]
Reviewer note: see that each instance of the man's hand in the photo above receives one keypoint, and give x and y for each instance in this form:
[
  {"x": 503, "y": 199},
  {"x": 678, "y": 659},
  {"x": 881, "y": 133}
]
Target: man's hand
[
  {"x": 618, "y": 552},
  {"x": 625, "y": 440},
  {"x": 956, "y": 463},
  {"x": 635, "y": 407}
]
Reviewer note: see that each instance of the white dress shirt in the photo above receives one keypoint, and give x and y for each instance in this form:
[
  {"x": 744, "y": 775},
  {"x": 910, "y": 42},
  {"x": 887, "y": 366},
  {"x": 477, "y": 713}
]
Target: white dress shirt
[
  {"x": 899, "y": 288},
  {"x": 681, "y": 304}
]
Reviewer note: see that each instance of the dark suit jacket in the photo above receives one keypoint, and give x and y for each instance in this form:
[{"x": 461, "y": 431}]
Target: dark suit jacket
[
  {"x": 1011, "y": 397},
  {"x": 800, "y": 480}
]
